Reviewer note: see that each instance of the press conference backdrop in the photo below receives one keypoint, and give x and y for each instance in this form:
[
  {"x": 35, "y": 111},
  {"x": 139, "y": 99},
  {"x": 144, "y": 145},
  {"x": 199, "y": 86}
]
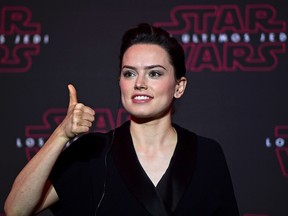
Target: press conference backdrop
[{"x": 237, "y": 67}]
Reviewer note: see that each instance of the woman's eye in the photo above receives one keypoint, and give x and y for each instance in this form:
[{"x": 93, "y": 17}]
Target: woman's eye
[
  {"x": 128, "y": 74},
  {"x": 155, "y": 74}
]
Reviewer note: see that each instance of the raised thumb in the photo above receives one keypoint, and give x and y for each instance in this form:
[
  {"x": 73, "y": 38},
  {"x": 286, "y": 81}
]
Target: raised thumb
[{"x": 72, "y": 95}]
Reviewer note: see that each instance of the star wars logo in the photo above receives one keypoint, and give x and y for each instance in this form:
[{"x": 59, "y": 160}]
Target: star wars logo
[
  {"x": 228, "y": 38},
  {"x": 20, "y": 39},
  {"x": 279, "y": 142},
  {"x": 36, "y": 135}
]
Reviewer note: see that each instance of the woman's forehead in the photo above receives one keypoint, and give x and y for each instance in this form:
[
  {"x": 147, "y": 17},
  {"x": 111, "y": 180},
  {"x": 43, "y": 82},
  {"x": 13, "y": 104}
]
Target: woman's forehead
[{"x": 152, "y": 53}]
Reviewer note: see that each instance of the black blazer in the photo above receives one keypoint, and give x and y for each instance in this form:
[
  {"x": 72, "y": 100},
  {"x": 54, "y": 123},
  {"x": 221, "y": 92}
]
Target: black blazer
[{"x": 100, "y": 174}]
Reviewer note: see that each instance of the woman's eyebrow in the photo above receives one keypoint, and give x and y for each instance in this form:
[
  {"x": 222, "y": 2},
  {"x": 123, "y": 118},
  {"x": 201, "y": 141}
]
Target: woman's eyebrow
[
  {"x": 129, "y": 67},
  {"x": 146, "y": 67},
  {"x": 155, "y": 66}
]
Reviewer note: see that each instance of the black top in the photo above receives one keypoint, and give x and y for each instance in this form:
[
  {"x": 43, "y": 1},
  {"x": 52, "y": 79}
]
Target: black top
[{"x": 94, "y": 172}]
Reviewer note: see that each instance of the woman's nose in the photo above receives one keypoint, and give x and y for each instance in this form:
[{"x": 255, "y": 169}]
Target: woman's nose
[{"x": 140, "y": 83}]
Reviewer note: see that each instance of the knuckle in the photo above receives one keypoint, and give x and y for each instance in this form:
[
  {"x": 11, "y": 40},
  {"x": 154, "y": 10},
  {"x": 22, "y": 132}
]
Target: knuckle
[{"x": 79, "y": 106}]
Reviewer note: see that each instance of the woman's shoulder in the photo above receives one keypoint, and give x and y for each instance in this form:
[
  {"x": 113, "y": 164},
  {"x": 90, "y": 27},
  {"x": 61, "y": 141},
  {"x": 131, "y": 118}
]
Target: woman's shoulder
[
  {"x": 87, "y": 145},
  {"x": 204, "y": 143}
]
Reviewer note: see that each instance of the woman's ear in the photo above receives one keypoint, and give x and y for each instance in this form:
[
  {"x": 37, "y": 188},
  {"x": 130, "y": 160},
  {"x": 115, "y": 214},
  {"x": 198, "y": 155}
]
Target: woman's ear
[{"x": 180, "y": 87}]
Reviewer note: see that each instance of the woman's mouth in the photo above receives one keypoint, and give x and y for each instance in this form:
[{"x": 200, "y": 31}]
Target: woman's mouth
[{"x": 141, "y": 98}]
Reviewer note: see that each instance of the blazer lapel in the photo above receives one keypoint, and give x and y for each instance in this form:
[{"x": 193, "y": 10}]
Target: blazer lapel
[
  {"x": 180, "y": 171},
  {"x": 134, "y": 176}
]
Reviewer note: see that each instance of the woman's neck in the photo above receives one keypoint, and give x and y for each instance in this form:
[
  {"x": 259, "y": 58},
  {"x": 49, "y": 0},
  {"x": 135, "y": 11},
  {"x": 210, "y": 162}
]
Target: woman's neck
[
  {"x": 153, "y": 134},
  {"x": 154, "y": 143}
]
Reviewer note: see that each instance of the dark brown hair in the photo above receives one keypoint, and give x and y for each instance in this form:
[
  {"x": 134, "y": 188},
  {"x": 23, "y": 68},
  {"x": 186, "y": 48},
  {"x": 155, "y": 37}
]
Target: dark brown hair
[{"x": 147, "y": 34}]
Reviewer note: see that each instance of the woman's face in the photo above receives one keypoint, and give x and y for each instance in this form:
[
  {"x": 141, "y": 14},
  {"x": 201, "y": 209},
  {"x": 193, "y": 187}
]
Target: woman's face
[{"x": 147, "y": 81}]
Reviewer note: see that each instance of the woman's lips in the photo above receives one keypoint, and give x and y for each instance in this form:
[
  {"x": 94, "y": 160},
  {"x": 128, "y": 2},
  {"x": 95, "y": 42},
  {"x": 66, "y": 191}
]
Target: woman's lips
[{"x": 141, "y": 98}]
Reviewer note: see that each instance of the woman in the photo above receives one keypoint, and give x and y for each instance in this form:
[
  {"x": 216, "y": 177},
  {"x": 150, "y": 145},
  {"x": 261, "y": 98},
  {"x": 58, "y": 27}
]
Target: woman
[{"x": 147, "y": 166}]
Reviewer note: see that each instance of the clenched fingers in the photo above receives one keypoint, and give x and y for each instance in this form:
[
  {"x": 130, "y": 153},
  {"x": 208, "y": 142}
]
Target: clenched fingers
[{"x": 82, "y": 118}]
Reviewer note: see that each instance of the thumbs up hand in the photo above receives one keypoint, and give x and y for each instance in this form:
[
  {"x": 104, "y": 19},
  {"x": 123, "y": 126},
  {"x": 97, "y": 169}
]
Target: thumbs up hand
[{"x": 79, "y": 117}]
